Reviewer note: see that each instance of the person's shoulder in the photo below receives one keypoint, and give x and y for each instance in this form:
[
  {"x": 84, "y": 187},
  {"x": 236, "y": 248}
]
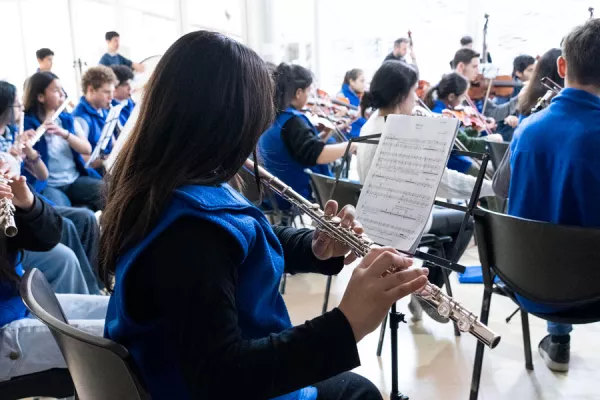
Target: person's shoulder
[{"x": 105, "y": 59}]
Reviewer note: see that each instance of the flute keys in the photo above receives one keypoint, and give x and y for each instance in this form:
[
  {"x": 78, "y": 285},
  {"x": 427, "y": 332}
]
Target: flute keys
[
  {"x": 464, "y": 324},
  {"x": 444, "y": 310}
]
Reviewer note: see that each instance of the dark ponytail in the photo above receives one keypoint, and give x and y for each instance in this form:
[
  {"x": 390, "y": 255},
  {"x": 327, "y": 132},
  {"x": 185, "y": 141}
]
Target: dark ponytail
[
  {"x": 352, "y": 75},
  {"x": 452, "y": 83},
  {"x": 391, "y": 84},
  {"x": 429, "y": 98},
  {"x": 8, "y": 92},
  {"x": 288, "y": 79}
]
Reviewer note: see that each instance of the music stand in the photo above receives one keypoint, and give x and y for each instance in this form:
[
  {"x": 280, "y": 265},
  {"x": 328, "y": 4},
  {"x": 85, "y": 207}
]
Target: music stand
[{"x": 394, "y": 316}]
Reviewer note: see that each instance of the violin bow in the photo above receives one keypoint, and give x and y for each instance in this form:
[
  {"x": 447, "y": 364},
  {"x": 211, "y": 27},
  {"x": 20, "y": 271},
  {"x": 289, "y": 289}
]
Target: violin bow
[{"x": 478, "y": 114}]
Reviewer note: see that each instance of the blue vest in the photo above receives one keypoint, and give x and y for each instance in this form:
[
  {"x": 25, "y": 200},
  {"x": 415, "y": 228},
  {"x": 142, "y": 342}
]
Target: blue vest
[
  {"x": 456, "y": 162},
  {"x": 94, "y": 120},
  {"x": 12, "y": 307},
  {"x": 355, "y": 101},
  {"x": 261, "y": 309},
  {"x": 277, "y": 159},
  {"x": 555, "y": 167},
  {"x": 125, "y": 112},
  {"x": 32, "y": 122}
]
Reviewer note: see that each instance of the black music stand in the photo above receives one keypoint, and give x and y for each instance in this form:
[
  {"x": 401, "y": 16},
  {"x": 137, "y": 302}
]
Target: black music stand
[{"x": 395, "y": 317}]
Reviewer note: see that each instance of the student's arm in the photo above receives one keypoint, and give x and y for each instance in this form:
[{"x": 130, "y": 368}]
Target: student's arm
[
  {"x": 298, "y": 253},
  {"x": 40, "y": 227},
  {"x": 135, "y": 66},
  {"x": 201, "y": 319},
  {"x": 500, "y": 112},
  {"x": 104, "y": 60},
  {"x": 501, "y": 181},
  {"x": 79, "y": 139}
]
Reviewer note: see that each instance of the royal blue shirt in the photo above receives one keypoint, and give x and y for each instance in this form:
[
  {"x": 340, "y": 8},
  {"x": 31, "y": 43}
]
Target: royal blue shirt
[
  {"x": 117, "y": 59},
  {"x": 261, "y": 308},
  {"x": 355, "y": 101},
  {"x": 555, "y": 164},
  {"x": 126, "y": 111}
]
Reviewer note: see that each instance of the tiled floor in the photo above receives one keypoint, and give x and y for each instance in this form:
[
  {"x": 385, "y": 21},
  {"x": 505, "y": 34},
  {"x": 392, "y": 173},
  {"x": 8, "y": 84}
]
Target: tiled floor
[{"x": 433, "y": 364}]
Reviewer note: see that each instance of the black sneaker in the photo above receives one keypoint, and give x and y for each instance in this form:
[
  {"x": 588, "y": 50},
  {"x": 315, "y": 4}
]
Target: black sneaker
[
  {"x": 555, "y": 355},
  {"x": 432, "y": 311}
]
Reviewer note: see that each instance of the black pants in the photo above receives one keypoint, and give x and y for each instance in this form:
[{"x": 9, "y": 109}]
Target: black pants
[
  {"x": 447, "y": 222},
  {"x": 347, "y": 386}
]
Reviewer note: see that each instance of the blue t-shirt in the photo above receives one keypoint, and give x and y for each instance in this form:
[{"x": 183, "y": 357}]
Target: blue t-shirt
[{"x": 117, "y": 59}]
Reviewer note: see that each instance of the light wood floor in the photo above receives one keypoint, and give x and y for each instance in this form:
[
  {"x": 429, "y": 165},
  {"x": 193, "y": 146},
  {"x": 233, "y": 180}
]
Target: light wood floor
[{"x": 433, "y": 364}]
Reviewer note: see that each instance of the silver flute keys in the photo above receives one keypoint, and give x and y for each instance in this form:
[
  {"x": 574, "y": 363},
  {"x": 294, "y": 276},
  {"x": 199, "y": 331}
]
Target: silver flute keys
[
  {"x": 7, "y": 214},
  {"x": 331, "y": 225}
]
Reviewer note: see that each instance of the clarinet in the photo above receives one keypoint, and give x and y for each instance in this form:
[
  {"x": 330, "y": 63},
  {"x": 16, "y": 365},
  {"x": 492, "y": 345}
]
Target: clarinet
[
  {"x": 331, "y": 225},
  {"x": 7, "y": 214}
]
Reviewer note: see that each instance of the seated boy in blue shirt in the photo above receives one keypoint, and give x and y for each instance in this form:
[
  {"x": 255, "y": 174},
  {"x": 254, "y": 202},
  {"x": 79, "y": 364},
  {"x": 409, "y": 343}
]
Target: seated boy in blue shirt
[
  {"x": 552, "y": 170},
  {"x": 123, "y": 93},
  {"x": 111, "y": 57}
]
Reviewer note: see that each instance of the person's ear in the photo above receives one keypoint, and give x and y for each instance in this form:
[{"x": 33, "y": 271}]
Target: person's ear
[
  {"x": 561, "y": 63},
  {"x": 41, "y": 98},
  {"x": 299, "y": 93},
  {"x": 451, "y": 98}
]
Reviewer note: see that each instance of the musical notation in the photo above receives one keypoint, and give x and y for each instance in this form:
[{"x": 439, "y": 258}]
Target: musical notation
[{"x": 400, "y": 189}]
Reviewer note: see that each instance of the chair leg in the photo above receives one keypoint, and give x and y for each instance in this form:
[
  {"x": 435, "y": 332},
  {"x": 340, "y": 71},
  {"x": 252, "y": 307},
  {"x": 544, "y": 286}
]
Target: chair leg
[
  {"x": 526, "y": 340},
  {"x": 283, "y": 282},
  {"x": 513, "y": 314},
  {"x": 327, "y": 290},
  {"x": 485, "y": 313},
  {"x": 449, "y": 291},
  {"x": 382, "y": 335}
]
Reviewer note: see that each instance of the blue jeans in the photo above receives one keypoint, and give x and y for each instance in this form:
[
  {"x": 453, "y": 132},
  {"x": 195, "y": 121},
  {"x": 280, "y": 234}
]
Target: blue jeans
[
  {"x": 556, "y": 329},
  {"x": 60, "y": 267},
  {"x": 85, "y": 191},
  {"x": 81, "y": 234}
]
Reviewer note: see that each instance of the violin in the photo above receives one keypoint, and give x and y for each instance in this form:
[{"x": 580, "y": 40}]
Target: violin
[
  {"x": 501, "y": 86},
  {"x": 467, "y": 117}
]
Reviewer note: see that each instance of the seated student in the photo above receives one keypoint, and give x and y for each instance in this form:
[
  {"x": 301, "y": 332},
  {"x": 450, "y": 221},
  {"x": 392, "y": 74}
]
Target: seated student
[
  {"x": 546, "y": 67},
  {"x": 450, "y": 93},
  {"x": 112, "y": 57},
  {"x": 98, "y": 85},
  {"x": 466, "y": 63},
  {"x": 392, "y": 91},
  {"x": 26, "y": 344},
  {"x": 122, "y": 92},
  {"x": 45, "y": 58},
  {"x": 352, "y": 88},
  {"x": 60, "y": 148},
  {"x": 71, "y": 266},
  {"x": 553, "y": 171},
  {"x": 292, "y": 143},
  {"x": 225, "y": 325}
]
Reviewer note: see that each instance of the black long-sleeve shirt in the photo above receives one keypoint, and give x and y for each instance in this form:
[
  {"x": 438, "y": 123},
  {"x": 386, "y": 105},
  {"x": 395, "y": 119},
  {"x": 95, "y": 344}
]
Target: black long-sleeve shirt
[
  {"x": 40, "y": 228},
  {"x": 194, "y": 266},
  {"x": 299, "y": 139}
]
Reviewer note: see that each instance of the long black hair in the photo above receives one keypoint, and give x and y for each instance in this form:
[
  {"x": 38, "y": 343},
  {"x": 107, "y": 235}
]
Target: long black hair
[
  {"x": 545, "y": 67},
  {"x": 205, "y": 107},
  {"x": 452, "y": 83},
  {"x": 8, "y": 92},
  {"x": 288, "y": 79},
  {"x": 390, "y": 85},
  {"x": 36, "y": 85}
]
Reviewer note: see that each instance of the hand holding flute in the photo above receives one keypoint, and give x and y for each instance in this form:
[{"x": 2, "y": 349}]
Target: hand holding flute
[{"x": 14, "y": 193}]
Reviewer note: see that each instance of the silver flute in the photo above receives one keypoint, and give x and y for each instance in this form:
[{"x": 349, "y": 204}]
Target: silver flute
[
  {"x": 7, "y": 214},
  {"x": 331, "y": 225}
]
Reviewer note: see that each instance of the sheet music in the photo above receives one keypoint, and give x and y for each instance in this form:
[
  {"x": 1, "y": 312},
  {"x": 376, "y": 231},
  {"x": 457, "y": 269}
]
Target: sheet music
[
  {"x": 108, "y": 130},
  {"x": 400, "y": 189},
  {"x": 123, "y": 136}
]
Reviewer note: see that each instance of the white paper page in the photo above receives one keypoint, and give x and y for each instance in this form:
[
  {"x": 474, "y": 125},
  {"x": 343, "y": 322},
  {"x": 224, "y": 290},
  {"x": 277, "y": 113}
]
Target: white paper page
[
  {"x": 400, "y": 189},
  {"x": 118, "y": 145}
]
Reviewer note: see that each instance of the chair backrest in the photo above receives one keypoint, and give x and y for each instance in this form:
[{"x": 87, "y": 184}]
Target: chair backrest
[
  {"x": 250, "y": 191},
  {"x": 546, "y": 263},
  {"x": 497, "y": 151},
  {"x": 345, "y": 193},
  {"x": 100, "y": 368}
]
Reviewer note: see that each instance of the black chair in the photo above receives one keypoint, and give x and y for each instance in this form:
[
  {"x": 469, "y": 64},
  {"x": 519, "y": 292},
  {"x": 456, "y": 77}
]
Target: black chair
[
  {"x": 100, "y": 368},
  {"x": 497, "y": 151},
  {"x": 546, "y": 263}
]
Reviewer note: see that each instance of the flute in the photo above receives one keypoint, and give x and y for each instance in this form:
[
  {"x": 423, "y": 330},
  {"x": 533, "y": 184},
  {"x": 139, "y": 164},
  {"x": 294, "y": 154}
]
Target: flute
[
  {"x": 7, "y": 214},
  {"x": 39, "y": 132},
  {"x": 331, "y": 225}
]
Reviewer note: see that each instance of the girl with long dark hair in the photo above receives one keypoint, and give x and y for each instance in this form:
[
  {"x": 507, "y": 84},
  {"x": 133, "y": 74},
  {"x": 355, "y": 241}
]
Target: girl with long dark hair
[
  {"x": 292, "y": 143},
  {"x": 353, "y": 89},
  {"x": 217, "y": 327},
  {"x": 61, "y": 148},
  {"x": 546, "y": 67}
]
